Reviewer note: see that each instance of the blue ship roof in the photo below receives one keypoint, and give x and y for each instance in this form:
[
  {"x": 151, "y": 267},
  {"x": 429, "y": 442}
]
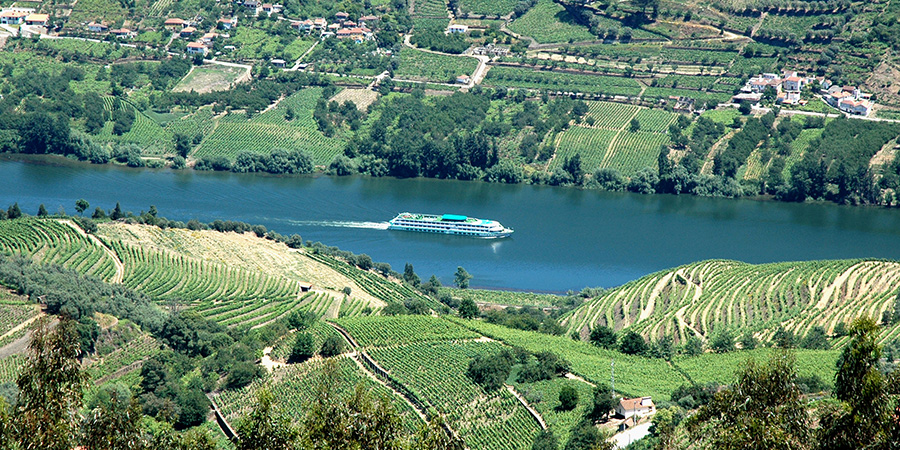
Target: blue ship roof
[{"x": 454, "y": 217}]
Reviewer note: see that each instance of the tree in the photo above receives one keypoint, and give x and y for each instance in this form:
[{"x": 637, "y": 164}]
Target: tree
[
  {"x": 784, "y": 338},
  {"x": 603, "y": 336},
  {"x": 816, "y": 339},
  {"x": 436, "y": 436},
  {"x": 568, "y": 398},
  {"x": 42, "y": 211},
  {"x": 762, "y": 410},
  {"x": 182, "y": 144},
  {"x": 117, "y": 212},
  {"x": 745, "y": 108},
  {"x": 572, "y": 166},
  {"x": 14, "y": 212},
  {"x": 333, "y": 346},
  {"x": 723, "y": 342},
  {"x": 693, "y": 346},
  {"x": 634, "y": 126},
  {"x": 490, "y": 371},
  {"x": 604, "y": 402},
  {"x": 304, "y": 347},
  {"x": 265, "y": 428},
  {"x": 115, "y": 425},
  {"x": 461, "y": 278},
  {"x": 585, "y": 436},
  {"x": 409, "y": 275},
  {"x": 633, "y": 344},
  {"x": 545, "y": 440},
  {"x": 664, "y": 426},
  {"x": 748, "y": 341},
  {"x": 468, "y": 309},
  {"x": 862, "y": 388},
  {"x": 81, "y": 205},
  {"x": 50, "y": 388}
]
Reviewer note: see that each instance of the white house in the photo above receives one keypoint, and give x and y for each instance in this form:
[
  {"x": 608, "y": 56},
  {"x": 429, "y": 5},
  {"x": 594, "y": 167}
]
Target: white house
[
  {"x": 122, "y": 33},
  {"x": 463, "y": 79},
  {"x": 640, "y": 406},
  {"x": 457, "y": 28},
  {"x": 40, "y": 20},
  {"x": 197, "y": 48},
  {"x": 95, "y": 27},
  {"x": 228, "y": 24},
  {"x": 793, "y": 83},
  {"x": 12, "y": 17}
]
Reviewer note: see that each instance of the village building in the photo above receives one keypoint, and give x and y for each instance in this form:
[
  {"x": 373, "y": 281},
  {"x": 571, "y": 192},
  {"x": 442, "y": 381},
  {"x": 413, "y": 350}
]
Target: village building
[
  {"x": 40, "y": 20},
  {"x": 12, "y": 17},
  {"x": 197, "y": 48},
  {"x": 341, "y": 16},
  {"x": 227, "y": 24},
  {"x": 639, "y": 406},
  {"x": 251, "y": 4},
  {"x": 457, "y": 28},
  {"x": 356, "y": 34},
  {"x": 463, "y": 79},
  {"x": 187, "y": 32},
  {"x": 95, "y": 27},
  {"x": 175, "y": 23},
  {"x": 122, "y": 33},
  {"x": 208, "y": 38},
  {"x": 368, "y": 20},
  {"x": 270, "y": 8},
  {"x": 794, "y": 83}
]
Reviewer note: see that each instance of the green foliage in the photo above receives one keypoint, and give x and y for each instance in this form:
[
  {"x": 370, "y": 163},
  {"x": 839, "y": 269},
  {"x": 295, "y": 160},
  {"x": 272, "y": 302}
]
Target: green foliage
[
  {"x": 490, "y": 371},
  {"x": 723, "y": 342},
  {"x": 468, "y": 309},
  {"x": 604, "y": 401},
  {"x": 50, "y": 388},
  {"x": 568, "y": 398},
  {"x": 603, "y": 336},
  {"x": 633, "y": 344},
  {"x": 266, "y": 427},
  {"x": 461, "y": 278},
  {"x": 304, "y": 347},
  {"x": 545, "y": 440},
  {"x": 762, "y": 410},
  {"x": 333, "y": 346}
]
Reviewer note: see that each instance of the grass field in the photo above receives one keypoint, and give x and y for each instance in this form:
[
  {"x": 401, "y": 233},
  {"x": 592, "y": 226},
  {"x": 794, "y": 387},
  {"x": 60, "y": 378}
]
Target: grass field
[{"x": 548, "y": 22}]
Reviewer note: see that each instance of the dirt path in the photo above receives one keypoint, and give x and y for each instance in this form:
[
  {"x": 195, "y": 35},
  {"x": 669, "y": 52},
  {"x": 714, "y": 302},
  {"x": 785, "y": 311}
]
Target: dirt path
[
  {"x": 335, "y": 308},
  {"x": 267, "y": 361},
  {"x": 829, "y": 290},
  {"x": 572, "y": 376},
  {"x": 534, "y": 413},
  {"x": 657, "y": 290},
  {"x": 708, "y": 163},
  {"x": 755, "y": 28},
  {"x": 120, "y": 268}
]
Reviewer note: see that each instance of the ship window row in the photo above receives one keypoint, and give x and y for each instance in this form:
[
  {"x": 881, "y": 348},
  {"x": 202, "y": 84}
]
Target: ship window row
[{"x": 466, "y": 227}]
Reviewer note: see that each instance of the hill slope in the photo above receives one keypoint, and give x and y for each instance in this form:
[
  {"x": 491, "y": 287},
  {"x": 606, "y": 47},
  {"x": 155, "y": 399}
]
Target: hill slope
[{"x": 705, "y": 297}]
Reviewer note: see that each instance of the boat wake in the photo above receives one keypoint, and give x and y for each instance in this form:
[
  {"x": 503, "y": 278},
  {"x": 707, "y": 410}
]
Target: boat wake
[{"x": 340, "y": 224}]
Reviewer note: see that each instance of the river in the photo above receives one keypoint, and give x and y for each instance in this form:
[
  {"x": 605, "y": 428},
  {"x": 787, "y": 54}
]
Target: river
[{"x": 564, "y": 238}]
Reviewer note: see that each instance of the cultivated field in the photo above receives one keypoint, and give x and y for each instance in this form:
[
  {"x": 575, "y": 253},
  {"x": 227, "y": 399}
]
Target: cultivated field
[
  {"x": 209, "y": 78},
  {"x": 706, "y": 297},
  {"x": 362, "y": 98}
]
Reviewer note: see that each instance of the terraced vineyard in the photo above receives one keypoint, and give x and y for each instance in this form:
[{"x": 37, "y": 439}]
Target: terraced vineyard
[
  {"x": 234, "y": 133},
  {"x": 320, "y": 331},
  {"x": 701, "y": 298},
  {"x": 52, "y": 242},
  {"x": 374, "y": 284},
  {"x": 564, "y": 82},
  {"x": 123, "y": 357},
  {"x": 435, "y": 372},
  {"x": 10, "y": 368},
  {"x": 294, "y": 387},
  {"x": 635, "y": 375},
  {"x": 386, "y": 330},
  {"x": 604, "y": 139},
  {"x": 152, "y": 138},
  {"x": 13, "y": 314}
]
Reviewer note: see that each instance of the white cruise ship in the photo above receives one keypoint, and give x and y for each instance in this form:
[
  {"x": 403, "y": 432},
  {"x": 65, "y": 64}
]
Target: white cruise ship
[{"x": 449, "y": 224}]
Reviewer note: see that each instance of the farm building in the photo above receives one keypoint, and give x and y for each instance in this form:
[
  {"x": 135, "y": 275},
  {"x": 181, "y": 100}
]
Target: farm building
[
  {"x": 279, "y": 62},
  {"x": 630, "y": 407},
  {"x": 463, "y": 79},
  {"x": 40, "y": 20}
]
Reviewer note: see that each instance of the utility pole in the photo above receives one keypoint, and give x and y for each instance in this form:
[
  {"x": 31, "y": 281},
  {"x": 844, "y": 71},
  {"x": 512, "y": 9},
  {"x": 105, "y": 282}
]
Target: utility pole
[{"x": 612, "y": 378}]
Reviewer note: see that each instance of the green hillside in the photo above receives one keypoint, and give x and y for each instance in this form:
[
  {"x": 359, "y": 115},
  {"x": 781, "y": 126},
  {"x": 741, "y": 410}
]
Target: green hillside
[{"x": 707, "y": 297}]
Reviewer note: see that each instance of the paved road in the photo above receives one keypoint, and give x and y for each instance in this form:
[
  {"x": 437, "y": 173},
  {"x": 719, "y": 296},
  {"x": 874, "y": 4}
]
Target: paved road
[{"x": 626, "y": 437}]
